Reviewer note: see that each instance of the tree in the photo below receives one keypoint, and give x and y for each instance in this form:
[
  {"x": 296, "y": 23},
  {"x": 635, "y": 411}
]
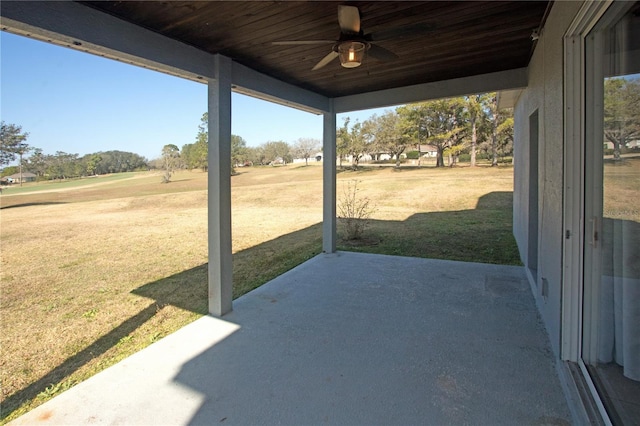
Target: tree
[
  {"x": 352, "y": 141},
  {"x": 21, "y": 149},
  {"x": 305, "y": 148},
  {"x": 273, "y": 151},
  {"x": 196, "y": 155},
  {"x": 238, "y": 150},
  {"x": 37, "y": 162},
  {"x": 255, "y": 154},
  {"x": 505, "y": 133},
  {"x": 12, "y": 142},
  {"x": 92, "y": 164},
  {"x": 342, "y": 141},
  {"x": 200, "y": 153},
  {"x": 170, "y": 156},
  {"x": 10, "y": 170},
  {"x": 494, "y": 119},
  {"x": 621, "y": 112},
  {"x": 500, "y": 129},
  {"x": 187, "y": 155},
  {"x": 389, "y": 134},
  {"x": 203, "y": 129},
  {"x": 439, "y": 123},
  {"x": 63, "y": 165},
  {"x": 475, "y": 112}
]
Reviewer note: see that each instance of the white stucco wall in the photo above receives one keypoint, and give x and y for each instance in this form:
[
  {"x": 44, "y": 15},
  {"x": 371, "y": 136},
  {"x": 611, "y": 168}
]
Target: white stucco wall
[{"x": 544, "y": 94}]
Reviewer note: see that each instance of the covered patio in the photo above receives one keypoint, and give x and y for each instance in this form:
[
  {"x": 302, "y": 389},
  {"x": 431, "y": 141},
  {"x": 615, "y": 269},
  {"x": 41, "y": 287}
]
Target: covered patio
[{"x": 345, "y": 338}]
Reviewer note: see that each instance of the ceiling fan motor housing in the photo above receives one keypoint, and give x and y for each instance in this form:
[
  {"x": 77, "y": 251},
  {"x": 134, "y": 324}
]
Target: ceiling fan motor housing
[{"x": 351, "y": 53}]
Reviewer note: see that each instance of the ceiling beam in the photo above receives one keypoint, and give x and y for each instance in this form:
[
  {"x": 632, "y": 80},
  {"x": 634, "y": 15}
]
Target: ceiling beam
[
  {"x": 261, "y": 86},
  {"x": 492, "y": 82}
]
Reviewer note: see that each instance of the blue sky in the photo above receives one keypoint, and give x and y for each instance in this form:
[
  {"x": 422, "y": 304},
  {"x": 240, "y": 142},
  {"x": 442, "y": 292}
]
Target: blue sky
[{"x": 79, "y": 103}]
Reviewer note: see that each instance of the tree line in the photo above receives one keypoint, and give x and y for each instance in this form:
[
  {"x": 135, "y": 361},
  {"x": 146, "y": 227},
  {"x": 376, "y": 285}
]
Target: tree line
[
  {"x": 195, "y": 155},
  {"x": 61, "y": 165},
  {"x": 453, "y": 126},
  {"x": 470, "y": 125}
]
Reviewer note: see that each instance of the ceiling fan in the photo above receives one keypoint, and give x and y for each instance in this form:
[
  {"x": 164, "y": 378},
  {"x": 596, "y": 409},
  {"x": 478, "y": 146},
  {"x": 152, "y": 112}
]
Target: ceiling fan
[{"x": 353, "y": 43}]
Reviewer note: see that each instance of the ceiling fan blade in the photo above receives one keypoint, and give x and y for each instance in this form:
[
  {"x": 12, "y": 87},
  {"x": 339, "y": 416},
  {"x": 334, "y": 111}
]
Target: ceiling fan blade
[
  {"x": 349, "y": 19},
  {"x": 330, "y": 57},
  {"x": 301, "y": 42},
  {"x": 381, "y": 54},
  {"x": 400, "y": 32}
]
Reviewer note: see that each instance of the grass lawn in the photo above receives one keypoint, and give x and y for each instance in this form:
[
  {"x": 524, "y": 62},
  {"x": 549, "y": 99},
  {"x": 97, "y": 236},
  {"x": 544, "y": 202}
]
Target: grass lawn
[{"x": 95, "y": 270}]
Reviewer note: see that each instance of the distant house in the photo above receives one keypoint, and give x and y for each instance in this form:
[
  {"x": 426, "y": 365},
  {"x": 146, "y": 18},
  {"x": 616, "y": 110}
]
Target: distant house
[
  {"x": 428, "y": 151},
  {"x": 314, "y": 157},
  {"x": 16, "y": 178}
]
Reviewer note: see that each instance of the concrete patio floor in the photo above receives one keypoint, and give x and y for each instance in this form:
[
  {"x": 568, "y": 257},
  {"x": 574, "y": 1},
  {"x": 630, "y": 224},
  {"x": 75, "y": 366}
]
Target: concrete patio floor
[{"x": 343, "y": 339}]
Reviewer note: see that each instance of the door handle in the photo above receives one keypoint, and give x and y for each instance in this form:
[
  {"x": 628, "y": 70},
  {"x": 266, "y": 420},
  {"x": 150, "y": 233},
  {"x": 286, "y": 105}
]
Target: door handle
[{"x": 594, "y": 232}]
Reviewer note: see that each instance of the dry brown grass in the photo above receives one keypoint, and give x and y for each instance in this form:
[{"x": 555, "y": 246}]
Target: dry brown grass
[
  {"x": 94, "y": 273},
  {"x": 621, "y": 183}
]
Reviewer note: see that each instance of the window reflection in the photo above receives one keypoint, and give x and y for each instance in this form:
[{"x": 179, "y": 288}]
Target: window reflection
[{"x": 617, "y": 371}]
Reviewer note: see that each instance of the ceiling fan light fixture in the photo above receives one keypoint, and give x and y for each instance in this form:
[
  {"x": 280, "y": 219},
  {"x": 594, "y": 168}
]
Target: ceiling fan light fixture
[{"x": 351, "y": 53}]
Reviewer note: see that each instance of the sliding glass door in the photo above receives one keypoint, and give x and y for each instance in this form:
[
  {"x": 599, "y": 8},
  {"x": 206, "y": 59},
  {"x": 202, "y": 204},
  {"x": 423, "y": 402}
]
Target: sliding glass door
[{"x": 611, "y": 310}]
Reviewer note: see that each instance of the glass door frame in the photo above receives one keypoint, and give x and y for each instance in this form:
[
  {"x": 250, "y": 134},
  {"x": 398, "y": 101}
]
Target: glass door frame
[
  {"x": 583, "y": 76},
  {"x": 593, "y": 196}
]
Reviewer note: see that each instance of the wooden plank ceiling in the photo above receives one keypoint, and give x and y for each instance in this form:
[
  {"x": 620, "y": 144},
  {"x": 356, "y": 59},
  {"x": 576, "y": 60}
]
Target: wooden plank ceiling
[{"x": 466, "y": 38}]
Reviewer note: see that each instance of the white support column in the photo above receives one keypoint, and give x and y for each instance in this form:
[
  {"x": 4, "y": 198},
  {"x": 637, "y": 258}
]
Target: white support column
[
  {"x": 329, "y": 181},
  {"x": 219, "y": 180}
]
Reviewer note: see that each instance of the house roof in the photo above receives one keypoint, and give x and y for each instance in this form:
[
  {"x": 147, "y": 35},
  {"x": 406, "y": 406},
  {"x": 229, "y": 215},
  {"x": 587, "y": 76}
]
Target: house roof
[
  {"x": 24, "y": 175},
  {"x": 465, "y": 38}
]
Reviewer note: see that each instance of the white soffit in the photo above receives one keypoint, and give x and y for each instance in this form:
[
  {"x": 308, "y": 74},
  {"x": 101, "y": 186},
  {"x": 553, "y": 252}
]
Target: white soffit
[
  {"x": 492, "y": 82},
  {"x": 508, "y": 98}
]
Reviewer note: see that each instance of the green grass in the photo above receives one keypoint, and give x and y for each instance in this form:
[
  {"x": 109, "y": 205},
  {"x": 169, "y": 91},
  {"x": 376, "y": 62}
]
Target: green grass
[
  {"x": 469, "y": 236},
  {"x": 67, "y": 183},
  {"x": 114, "y": 267}
]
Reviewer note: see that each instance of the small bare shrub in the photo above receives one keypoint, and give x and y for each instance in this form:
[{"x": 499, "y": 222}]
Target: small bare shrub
[{"x": 354, "y": 211}]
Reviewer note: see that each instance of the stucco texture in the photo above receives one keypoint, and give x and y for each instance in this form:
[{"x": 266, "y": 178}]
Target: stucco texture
[{"x": 544, "y": 94}]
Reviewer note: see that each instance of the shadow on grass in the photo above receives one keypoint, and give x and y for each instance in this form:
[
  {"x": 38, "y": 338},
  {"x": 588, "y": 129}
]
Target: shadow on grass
[
  {"x": 480, "y": 235},
  {"x": 46, "y": 203},
  {"x": 75, "y": 362},
  {"x": 251, "y": 268},
  {"x": 303, "y": 166},
  {"x": 187, "y": 290}
]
